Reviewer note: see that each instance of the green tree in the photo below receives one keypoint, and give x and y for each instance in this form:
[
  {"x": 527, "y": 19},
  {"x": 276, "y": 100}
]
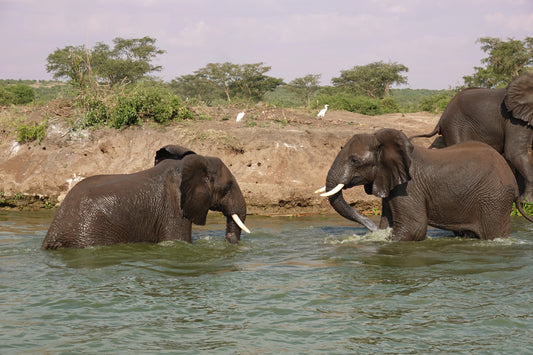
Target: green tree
[
  {"x": 129, "y": 59},
  {"x": 24, "y": 94},
  {"x": 251, "y": 83},
  {"x": 242, "y": 80},
  {"x": 72, "y": 63},
  {"x": 505, "y": 60},
  {"x": 304, "y": 87},
  {"x": 219, "y": 76},
  {"x": 373, "y": 80},
  {"x": 193, "y": 86}
]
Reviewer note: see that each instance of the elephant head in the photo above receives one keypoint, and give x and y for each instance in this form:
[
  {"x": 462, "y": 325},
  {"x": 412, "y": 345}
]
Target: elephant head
[
  {"x": 207, "y": 184},
  {"x": 519, "y": 98},
  {"x": 379, "y": 161}
]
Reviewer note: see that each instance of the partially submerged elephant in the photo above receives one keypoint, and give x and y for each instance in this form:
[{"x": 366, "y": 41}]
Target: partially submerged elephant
[
  {"x": 502, "y": 118},
  {"x": 467, "y": 188},
  {"x": 153, "y": 205}
]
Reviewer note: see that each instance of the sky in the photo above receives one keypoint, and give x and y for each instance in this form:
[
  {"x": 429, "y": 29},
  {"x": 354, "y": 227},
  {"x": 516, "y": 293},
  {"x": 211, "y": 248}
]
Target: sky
[{"x": 435, "y": 39}]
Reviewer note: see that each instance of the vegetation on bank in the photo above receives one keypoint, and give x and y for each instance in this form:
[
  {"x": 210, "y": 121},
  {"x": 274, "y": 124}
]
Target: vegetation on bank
[{"x": 114, "y": 86}]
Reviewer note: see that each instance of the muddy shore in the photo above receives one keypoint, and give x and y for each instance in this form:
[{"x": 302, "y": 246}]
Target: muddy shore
[{"x": 279, "y": 156}]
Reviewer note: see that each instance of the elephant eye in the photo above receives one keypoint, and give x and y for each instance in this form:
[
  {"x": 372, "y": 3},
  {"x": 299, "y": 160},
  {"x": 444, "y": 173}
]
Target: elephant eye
[{"x": 355, "y": 160}]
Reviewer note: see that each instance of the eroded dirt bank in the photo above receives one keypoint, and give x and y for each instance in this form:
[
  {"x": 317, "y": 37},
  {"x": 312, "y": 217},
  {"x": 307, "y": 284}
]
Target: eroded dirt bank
[{"x": 278, "y": 156}]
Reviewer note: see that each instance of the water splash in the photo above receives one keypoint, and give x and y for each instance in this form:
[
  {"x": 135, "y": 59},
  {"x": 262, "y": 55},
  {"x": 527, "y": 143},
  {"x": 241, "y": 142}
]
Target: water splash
[{"x": 381, "y": 235}]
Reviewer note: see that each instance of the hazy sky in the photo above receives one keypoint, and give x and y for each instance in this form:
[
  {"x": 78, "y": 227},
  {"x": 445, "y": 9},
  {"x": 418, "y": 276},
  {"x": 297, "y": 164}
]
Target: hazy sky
[{"x": 436, "y": 40}]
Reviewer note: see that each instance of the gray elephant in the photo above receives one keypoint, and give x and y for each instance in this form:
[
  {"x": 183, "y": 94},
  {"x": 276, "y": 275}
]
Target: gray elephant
[
  {"x": 153, "y": 205},
  {"x": 502, "y": 118},
  {"x": 467, "y": 188}
]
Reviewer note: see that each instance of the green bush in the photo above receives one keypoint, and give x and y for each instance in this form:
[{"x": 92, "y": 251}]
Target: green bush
[
  {"x": 23, "y": 94},
  {"x": 528, "y": 208},
  {"x": 97, "y": 113},
  {"x": 359, "y": 104},
  {"x": 135, "y": 106},
  {"x": 124, "y": 114},
  {"x": 6, "y": 97},
  {"x": 28, "y": 133},
  {"x": 16, "y": 95},
  {"x": 436, "y": 103}
]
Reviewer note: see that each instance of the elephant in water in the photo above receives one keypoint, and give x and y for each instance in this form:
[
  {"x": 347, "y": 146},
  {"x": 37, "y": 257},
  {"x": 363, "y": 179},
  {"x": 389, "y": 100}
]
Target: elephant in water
[
  {"x": 467, "y": 188},
  {"x": 152, "y": 205},
  {"x": 502, "y": 118}
]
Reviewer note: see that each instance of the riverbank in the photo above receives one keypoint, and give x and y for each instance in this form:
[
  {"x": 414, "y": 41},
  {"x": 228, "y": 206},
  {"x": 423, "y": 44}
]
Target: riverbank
[{"x": 279, "y": 156}]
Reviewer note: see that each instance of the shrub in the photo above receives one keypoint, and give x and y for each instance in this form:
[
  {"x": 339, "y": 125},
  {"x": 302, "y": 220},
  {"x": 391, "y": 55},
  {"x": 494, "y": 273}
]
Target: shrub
[
  {"x": 23, "y": 94},
  {"x": 124, "y": 114},
  {"x": 131, "y": 108},
  {"x": 28, "y": 133},
  {"x": 359, "y": 104},
  {"x": 6, "y": 97},
  {"x": 436, "y": 103}
]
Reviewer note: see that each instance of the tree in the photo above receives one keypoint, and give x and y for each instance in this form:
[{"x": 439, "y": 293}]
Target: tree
[
  {"x": 305, "y": 87},
  {"x": 192, "y": 86},
  {"x": 246, "y": 80},
  {"x": 129, "y": 59},
  {"x": 373, "y": 79},
  {"x": 505, "y": 60}
]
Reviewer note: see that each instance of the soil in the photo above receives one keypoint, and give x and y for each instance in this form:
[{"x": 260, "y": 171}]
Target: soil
[{"x": 279, "y": 156}]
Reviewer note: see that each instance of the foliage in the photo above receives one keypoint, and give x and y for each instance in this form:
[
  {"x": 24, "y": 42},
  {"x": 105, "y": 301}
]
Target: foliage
[
  {"x": 44, "y": 90},
  {"x": 18, "y": 94},
  {"x": 359, "y": 104},
  {"x": 228, "y": 80},
  {"x": 436, "y": 103},
  {"x": 282, "y": 96},
  {"x": 132, "y": 107},
  {"x": 505, "y": 60},
  {"x": 194, "y": 87},
  {"x": 129, "y": 59},
  {"x": 305, "y": 87},
  {"x": 28, "y": 133},
  {"x": 6, "y": 97},
  {"x": 528, "y": 208},
  {"x": 410, "y": 100},
  {"x": 373, "y": 80}
]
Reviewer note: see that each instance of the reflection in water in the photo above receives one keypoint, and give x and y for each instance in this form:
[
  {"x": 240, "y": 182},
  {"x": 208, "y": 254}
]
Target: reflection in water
[{"x": 296, "y": 284}]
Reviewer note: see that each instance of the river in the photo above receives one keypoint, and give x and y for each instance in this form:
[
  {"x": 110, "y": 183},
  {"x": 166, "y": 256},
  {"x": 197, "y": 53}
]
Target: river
[{"x": 316, "y": 284}]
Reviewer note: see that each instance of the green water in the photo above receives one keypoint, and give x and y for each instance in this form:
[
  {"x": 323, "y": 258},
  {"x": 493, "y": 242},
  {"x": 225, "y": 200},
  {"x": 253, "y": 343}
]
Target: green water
[{"x": 315, "y": 284}]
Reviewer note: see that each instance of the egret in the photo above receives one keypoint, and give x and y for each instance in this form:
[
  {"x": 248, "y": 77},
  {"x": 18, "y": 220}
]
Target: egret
[
  {"x": 240, "y": 116},
  {"x": 322, "y": 112}
]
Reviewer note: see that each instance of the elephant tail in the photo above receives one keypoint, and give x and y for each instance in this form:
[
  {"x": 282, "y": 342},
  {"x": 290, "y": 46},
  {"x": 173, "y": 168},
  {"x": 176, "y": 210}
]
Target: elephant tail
[
  {"x": 520, "y": 206},
  {"x": 436, "y": 130}
]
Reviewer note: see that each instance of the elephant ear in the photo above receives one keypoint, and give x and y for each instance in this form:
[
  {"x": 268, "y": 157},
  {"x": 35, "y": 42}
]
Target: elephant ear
[
  {"x": 175, "y": 152},
  {"x": 393, "y": 163},
  {"x": 195, "y": 191},
  {"x": 519, "y": 98}
]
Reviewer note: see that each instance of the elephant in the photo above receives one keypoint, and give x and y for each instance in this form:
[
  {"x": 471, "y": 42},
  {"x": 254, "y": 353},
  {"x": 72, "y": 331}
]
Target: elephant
[
  {"x": 502, "y": 118},
  {"x": 467, "y": 188},
  {"x": 152, "y": 205}
]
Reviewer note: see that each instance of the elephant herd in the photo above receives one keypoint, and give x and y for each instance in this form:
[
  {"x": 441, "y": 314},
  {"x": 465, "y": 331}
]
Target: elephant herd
[{"x": 466, "y": 182}]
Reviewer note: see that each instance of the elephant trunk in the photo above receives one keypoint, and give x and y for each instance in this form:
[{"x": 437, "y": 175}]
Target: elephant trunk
[
  {"x": 233, "y": 230},
  {"x": 235, "y": 212},
  {"x": 340, "y": 205}
]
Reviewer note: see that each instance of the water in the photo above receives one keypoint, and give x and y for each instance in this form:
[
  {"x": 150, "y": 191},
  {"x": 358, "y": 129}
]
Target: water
[{"x": 315, "y": 284}]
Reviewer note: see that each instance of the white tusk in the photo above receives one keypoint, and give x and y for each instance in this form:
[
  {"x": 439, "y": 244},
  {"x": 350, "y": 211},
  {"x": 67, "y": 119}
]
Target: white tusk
[
  {"x": 334, "y": 191},
  {"x": 240, "y": 224},
  {"x": 320, "y": 190}
]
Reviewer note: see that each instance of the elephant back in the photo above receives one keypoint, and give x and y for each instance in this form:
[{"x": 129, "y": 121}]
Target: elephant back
[{"x": 175, "y": 152}]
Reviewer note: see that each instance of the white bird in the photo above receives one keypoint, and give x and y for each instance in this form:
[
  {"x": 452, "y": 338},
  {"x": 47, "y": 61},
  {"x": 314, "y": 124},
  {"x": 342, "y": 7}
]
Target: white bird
[
  {"x": 240, "y": 116},
  {"x": 322, "y": 112}
]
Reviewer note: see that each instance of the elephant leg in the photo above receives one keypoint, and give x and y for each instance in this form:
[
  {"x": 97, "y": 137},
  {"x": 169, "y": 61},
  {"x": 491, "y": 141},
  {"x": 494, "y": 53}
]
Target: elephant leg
[
  {"x": 410, "y": 222},
  {"x": 517, "y": 151}
]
